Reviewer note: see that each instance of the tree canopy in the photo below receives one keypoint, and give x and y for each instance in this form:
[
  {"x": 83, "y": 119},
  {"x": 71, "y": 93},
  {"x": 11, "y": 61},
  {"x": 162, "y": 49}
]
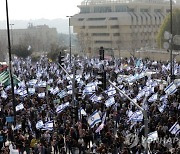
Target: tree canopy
[
  {"x": 22, "y": 50},
  {"x": 166, "y": 27},
  {"x": 55, "y": 49}
]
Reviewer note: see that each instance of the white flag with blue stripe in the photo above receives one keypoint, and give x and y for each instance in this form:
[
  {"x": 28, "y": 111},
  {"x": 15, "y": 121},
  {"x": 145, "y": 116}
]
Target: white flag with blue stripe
[
  {"x": 110, "y": 102},
  {"x": 61, "y": 107},
  {"x": 101, "y": 126},
  {"x": 136, "y": 116},
  {"x": 19, "y": 107},
  {"x": 31, "y": 91},
  {"x": 175, "y": 129},
  {"x": 153, "y": 98},
  {"x": 62, "y": 93},
  {"x": 170, "y": 89},
  {"x": 94, "y": 119},
  {"x": 39, "y": 124},
  {"x": 48, "y": 126},
  {"x": 41, "y": 95},
  {"x": 153, "y": 136}
]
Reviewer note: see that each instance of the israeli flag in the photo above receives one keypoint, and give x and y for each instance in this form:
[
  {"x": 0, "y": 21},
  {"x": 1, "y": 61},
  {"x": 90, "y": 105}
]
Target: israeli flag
[
  {"x": 153, "y": 136},
  {"x": 162, "y": 108},
  {"x": 175, "y": 129},
  {"x": 39, "y": 124},
  {"x": 111, "y": 92},
  {"x": 153, "y": 98},
  {"x": 101, "y": 126},
  {"x": 61, "y": 107},
  {"x": 170, "y": 89},
  {"x": 82, "y": 111},
  {"x": 31, "y": 91},
  {"x": 94, "y": 119},
  {"x": 110, "y": 102},
  {"x": 50, "y": 81},
  {"x": 17, "y": 127},
  {"x": 41, "y": 95},
  {"x": 22, "y": 92},
  {"x": 140, "y": 94},
  {"x": 48, "y": 126},
  {"x": 42, "y": 84},
  {"x": 4, "y": 94},
  {"x": 62, "y": 94},
  {"x": 95, "y": 98},
  {"x": 32, "y": 82},
  {"x": 136, "y": 116},
  {"x": 19, "y": 107},
  {"x": 55, "y": 91},
  {"x": 22, "y": 84}
]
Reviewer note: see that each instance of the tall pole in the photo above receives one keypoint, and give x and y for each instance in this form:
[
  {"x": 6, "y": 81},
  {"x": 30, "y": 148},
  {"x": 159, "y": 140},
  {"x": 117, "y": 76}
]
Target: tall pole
[
  {"x": 10, "y": 60},
  {"x": 70, "y": 38},
  {"x": 171, "y": 40},
  {"x": 12, "y": 33}
]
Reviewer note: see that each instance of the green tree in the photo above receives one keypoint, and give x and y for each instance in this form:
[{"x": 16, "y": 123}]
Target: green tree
[
  {"x": 166, "y": 26},
  {"x": 55, "y": 49},
  {"x": 21, "y": 50}
]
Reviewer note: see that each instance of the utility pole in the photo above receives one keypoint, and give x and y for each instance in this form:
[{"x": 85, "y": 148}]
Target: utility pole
[
  {"x": 70, "y": 54},
  {"x": 10, "y": 66},
  {"x": 171, "y": 42}
]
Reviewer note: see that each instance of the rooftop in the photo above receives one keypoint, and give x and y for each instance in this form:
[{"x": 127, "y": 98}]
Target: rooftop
[{"x": 95, "y": 2}]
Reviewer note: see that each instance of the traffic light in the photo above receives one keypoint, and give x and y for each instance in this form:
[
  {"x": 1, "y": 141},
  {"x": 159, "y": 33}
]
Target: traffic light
[
  {"x": 74, "y": 112},
  {"x": 79, "y": 96},
  {"x": 61, "y": 59},
  {"x": 102, "y": 79},
  {"x": 101, "y": 53}
]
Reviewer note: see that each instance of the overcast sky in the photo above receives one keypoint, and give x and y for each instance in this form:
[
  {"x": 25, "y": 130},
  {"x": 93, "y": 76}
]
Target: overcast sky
[{"x": 36, "y": 9}]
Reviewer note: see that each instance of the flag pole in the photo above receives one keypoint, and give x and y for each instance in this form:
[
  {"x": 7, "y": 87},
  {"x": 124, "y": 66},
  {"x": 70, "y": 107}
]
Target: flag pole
[{"x": 10, "y": 61}]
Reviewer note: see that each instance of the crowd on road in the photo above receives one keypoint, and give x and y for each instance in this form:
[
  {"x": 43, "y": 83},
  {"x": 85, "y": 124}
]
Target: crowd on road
[{"x": 97, "y": 120}]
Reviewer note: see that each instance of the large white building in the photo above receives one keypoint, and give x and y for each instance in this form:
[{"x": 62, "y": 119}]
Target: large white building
[{"x": 119, "y": 24}]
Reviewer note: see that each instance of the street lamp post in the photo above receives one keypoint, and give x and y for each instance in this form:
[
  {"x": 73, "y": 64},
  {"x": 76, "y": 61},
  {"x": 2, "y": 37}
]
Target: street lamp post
[
  {"x": 69, "y": 37},
  {"x": 11, "y": 33},
  {"x": 10, "y": 60},
  {"x": 171, "y": 41}
]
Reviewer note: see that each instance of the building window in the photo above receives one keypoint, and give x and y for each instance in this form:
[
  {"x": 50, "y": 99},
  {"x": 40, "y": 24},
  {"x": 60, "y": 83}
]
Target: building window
[
  {"x": 95, "y": 19},
  {"x": 116, "y": 34},
  {"x": 97, "y": 27},
  {"x": 143, "y": 10},
  {"x": 100, "y": 34},
  {"x": 102, "y": 42},
  {"x": 115, "y": 27},
  {"x": 101, "y": 9},
  {"x": 121, "y": 8},
  {"x": 85, "y": 10},
  {"x": 130, "y": 10},
  {"x": 80, "y": 19},
  {"x": 157, "y": 10},
  {"x": 82, "y": 27},
  {"x": 113, "y": 18}
]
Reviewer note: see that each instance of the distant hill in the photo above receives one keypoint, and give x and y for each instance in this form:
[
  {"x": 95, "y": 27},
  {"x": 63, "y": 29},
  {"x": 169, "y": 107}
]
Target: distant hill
[{"x": 60, "y": 24}]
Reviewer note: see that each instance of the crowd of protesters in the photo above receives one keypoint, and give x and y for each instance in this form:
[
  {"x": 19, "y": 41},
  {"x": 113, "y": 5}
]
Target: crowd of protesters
[{"x": 140, "y": 79}]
